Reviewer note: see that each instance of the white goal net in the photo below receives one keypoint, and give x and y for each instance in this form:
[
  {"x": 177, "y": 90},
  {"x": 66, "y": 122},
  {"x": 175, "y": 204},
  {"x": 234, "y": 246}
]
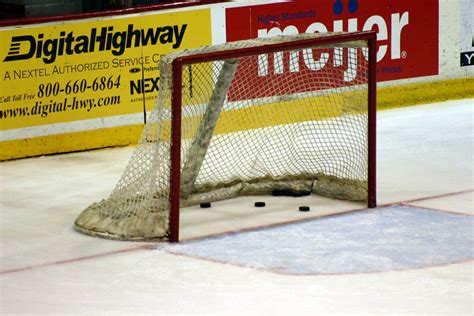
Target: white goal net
[{"x": 248, "y": 123}]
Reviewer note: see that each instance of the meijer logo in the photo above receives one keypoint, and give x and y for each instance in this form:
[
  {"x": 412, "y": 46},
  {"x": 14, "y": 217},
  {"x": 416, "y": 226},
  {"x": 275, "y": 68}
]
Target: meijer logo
[
  {"x": 397, "y": 22},
  {"x": 103, "y": 39}
]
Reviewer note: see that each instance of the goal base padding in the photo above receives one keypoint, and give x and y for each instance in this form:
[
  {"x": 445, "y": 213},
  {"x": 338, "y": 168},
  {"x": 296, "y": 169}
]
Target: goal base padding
[{"x": 137, "y": 227}]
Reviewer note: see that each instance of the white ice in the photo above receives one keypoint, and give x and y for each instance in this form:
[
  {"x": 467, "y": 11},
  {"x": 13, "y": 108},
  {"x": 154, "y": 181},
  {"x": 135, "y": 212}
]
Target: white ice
[{"x": 424, "y": 160}]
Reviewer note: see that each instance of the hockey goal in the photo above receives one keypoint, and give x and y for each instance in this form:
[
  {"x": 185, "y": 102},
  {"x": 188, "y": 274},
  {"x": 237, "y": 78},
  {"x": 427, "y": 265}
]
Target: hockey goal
[{"x": 294, "y": 113}]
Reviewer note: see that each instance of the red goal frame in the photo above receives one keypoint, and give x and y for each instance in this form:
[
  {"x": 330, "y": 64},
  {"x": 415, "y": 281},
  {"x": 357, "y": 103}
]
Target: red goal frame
[{"x": 177, "y": 69}]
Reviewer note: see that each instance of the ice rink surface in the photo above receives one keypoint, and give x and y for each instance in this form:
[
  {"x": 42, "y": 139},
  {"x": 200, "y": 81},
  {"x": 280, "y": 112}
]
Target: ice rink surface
[{"x": 412, "y": 255}]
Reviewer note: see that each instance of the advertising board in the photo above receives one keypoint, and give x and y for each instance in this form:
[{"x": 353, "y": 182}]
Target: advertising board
[
  {"x": 78, "y": 70},
  {"x": 407, "y": 32}
]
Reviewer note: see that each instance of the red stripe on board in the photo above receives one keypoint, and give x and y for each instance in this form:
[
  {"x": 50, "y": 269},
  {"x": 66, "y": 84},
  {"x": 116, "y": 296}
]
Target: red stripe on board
[{"x": 112, "y": 12}]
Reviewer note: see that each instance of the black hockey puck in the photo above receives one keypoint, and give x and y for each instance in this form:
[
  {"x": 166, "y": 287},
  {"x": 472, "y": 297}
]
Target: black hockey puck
[
  {"x": 304, "y": 208},
  {"x": 282, "y": 192},
  {"x": 259, "y": 204},
  {"x": 205, "y": 205},
  {"x": 277, "y": 192},
  {"x": 300, "y": 193}
]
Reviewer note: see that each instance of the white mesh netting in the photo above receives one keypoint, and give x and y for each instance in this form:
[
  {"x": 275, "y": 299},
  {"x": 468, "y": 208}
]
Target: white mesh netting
[{"x": 294, "y": 120}]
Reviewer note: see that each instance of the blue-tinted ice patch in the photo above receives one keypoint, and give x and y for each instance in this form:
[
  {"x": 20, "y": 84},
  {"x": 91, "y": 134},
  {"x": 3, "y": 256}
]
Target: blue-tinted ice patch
[{"x": 390, "y": 238}]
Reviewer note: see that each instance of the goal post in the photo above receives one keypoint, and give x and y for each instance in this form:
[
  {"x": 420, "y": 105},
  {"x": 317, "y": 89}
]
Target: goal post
[{"x": 246, "y": 118}]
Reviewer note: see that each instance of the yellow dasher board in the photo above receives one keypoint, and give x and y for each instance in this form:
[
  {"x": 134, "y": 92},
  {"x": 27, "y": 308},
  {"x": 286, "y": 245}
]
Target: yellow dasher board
[{"x": 86, "y": 75}]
